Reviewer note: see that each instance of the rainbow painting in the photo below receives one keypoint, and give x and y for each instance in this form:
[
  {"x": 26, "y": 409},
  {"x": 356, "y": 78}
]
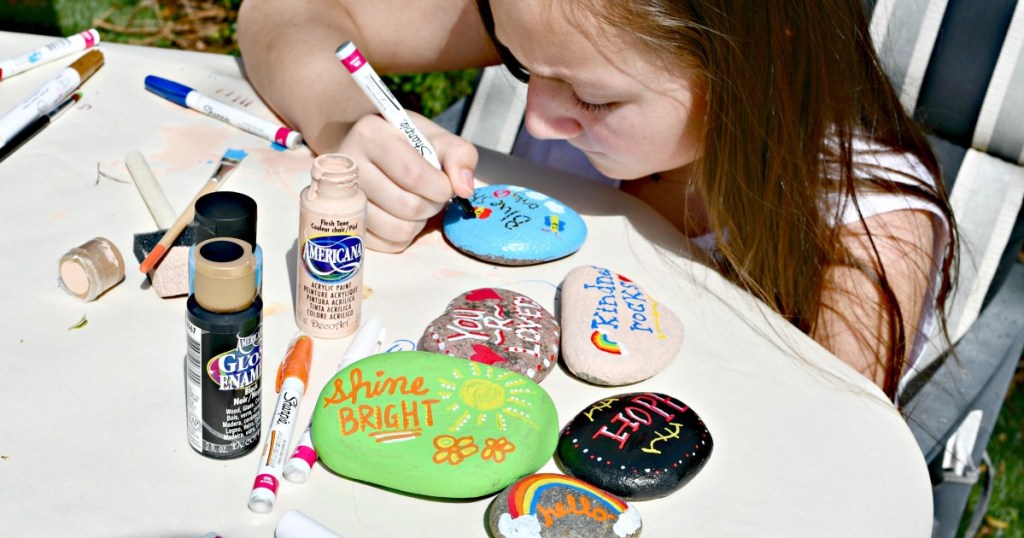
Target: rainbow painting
[
  {"x": 602, "y": 342},
  {"x": 524, "y": 495}
]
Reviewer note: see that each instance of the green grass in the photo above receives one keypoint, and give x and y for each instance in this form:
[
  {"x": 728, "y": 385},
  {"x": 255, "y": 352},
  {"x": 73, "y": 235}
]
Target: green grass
[{"x": 1005, "y": 517}]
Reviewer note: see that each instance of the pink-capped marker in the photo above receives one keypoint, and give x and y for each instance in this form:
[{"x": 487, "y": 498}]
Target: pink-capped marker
[
  {"x": 378, "y": 93},
  {"x": 369, "y": 340},
  {"x": 49, "y": 52},
  {"x": 292, "y": 377}
]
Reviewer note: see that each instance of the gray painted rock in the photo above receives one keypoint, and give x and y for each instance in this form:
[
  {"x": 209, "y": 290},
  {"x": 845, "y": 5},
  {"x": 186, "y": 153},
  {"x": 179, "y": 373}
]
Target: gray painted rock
[
  {"x": 499, "y": 327},
  {"x": 639, "y": 446},
  {"x": 514, "y": 226},
  {"x": 549, "y": 504},
  {"x": 613, "y": 332}
]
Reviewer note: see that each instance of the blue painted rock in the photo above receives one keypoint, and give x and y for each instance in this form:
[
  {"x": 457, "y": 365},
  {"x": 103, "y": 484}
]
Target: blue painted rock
[
  {"x": 613, "y": 332},
  {"x": 433, "y": 425},
  {"x": 556, "y": 505},
  {"x": 498, "y": 327},
  {"x": 638, "y": 446},
  {"x": 515, "y": 226}
]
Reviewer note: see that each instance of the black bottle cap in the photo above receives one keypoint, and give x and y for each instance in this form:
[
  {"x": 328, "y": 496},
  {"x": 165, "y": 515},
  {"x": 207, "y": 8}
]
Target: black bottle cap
[{"x": 225, "y": 214}]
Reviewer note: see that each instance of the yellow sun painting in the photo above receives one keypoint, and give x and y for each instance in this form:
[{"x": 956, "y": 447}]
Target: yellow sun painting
[{"x": 484, "y": 393}]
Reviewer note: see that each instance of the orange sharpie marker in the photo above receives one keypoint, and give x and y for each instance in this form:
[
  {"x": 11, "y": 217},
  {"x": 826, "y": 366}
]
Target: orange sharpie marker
[{"x": 292, "y": 377}]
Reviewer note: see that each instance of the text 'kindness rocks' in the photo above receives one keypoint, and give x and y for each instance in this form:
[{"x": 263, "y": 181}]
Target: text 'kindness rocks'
[{"x": 614, "y": 332}]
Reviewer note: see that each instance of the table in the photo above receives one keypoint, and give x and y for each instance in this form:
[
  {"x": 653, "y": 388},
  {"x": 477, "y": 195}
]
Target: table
[{"x": 93, "y": 439}]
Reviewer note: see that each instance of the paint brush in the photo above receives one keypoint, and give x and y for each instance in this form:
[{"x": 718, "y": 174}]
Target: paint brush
[
  {"x": 37, "y": 125},
  {"x": 228, "y": 163}
]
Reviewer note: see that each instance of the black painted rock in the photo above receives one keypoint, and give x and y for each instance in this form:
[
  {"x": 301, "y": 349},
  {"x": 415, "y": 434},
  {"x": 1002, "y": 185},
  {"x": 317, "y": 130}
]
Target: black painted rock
[
  {"x": 638, "y": 446},
  {"x": 548, "y": 504},
  {"x": 497, "y": 327}
]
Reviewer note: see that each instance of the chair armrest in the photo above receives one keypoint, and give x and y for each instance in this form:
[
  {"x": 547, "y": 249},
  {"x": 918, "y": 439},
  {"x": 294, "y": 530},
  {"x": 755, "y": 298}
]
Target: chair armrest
[{"x": 977, "y": 377}]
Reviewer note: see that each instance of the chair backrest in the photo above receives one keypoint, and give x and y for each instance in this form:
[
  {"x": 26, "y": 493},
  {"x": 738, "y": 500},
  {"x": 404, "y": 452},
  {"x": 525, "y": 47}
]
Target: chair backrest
[{"x": 958, "y": 68}]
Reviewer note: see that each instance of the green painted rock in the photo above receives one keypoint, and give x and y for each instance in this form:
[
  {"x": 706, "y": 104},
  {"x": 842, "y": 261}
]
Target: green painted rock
[{"x": 433, "y": 425}]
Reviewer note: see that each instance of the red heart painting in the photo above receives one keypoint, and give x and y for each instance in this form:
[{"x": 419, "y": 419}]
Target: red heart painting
[
  {"x": 485, "y": 355},
  {"x": 483, "y": 294}
]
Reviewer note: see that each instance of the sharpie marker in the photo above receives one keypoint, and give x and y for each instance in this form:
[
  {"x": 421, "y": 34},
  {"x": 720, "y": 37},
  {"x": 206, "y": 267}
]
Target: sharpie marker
[
  {"x": 368, "y": 341},
  {"x": 389, "y": 107},
  {"x": 47, "y": 53},
  {"x": 189, "y": 98},
  {"x": 292, "y": 376},
  {"x": 49, "y": 95}
]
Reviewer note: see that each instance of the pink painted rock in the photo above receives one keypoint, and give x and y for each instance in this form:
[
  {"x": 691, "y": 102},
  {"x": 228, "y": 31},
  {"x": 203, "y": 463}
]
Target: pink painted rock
[
  {"x": 497, "y": 327},
  {"x": 613, "y": 332}
]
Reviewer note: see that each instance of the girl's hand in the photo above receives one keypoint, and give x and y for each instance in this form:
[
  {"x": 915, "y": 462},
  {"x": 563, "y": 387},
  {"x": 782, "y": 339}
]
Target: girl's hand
[{"x": 403, "y": 188}]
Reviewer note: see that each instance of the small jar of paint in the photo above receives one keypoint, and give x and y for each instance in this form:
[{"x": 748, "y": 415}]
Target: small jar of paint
[{"x": 88, "y": 270}]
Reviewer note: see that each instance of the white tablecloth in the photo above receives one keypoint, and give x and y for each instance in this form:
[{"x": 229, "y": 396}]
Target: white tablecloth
[{"x": 93, "y": 439}]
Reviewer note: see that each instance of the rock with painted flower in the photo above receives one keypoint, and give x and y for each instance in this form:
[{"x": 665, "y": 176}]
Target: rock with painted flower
[
  {"x": 549, "y": 505},
  {"x": 614, "y": 332},
  {"x": 433, "y": 425},
  {"x": 497, "y": 327},
  {"x": 514, "y": 226},
  {"x": 639, "y": 446}
]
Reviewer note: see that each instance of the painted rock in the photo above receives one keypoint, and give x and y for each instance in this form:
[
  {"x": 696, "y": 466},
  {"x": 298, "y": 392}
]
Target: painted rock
[
  {"x": 638, "y": 446},
  {"x": 433, "y": 425},
  {"x": 556, "y": 505},
  {"x": 613, "y": 332},
  {"x": 498, "y": 327},
  {"x": 514, "y": 226}
]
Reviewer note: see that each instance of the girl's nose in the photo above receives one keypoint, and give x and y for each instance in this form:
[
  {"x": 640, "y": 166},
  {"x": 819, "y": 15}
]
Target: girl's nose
[{"x": 550, "y": 112}]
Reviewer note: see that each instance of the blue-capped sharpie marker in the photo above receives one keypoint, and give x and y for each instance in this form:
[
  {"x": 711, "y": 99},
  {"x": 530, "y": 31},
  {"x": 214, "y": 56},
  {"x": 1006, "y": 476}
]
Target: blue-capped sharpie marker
[{"x": 187, "y": 97}]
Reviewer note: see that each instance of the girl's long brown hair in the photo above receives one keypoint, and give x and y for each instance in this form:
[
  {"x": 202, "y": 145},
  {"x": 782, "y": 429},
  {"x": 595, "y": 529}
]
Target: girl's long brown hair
[{"x": 789, "y": 85}]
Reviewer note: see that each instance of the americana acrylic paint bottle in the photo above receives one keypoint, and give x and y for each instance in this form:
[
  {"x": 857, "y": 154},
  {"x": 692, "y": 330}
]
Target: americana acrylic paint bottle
[
  {"x": 332, "y": 224},
  {"x": 224, "y": 358}
]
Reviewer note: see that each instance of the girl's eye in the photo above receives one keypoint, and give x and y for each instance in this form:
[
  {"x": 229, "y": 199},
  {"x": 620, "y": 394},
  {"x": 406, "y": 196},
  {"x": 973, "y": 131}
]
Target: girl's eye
[{"x": 592, "y": 108}]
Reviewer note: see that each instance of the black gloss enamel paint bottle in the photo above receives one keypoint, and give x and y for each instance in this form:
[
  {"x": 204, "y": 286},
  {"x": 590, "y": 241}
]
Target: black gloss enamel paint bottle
[{"x": 223, "y": 361}]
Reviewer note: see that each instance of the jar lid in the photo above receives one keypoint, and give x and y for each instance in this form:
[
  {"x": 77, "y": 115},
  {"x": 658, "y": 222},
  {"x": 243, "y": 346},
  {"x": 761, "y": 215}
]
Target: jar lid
[
  {"x": 225, "y": 214},
  {"x": 225, "y": 279}
]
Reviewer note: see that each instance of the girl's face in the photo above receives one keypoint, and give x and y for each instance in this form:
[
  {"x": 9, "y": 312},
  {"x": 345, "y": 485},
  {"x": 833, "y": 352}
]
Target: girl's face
[{"x": 630, "y": 114}]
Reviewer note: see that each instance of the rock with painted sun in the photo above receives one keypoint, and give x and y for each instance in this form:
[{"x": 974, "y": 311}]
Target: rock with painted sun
[
  {"x": 614, "y": 332},
  {"x": 433, "y": 425},
  {"x": 497, "y": 327},
  {"x": 548, "y": 504},
  {"x": 514, "y": 226},
  {"x": 638, "y": 446}
]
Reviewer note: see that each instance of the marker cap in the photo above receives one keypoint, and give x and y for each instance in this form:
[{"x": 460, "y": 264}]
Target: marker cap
[
  {"x": 295, "y": 524},
  {"x": 168, "y": 89},
  {"x": 87, "y": 64},
  {"x": 296, "y": 362}
]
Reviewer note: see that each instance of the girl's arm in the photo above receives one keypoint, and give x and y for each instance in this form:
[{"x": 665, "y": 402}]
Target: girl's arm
[
  {"x": 852, "y": 322},
  {"x": 288, "y": 51}
]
